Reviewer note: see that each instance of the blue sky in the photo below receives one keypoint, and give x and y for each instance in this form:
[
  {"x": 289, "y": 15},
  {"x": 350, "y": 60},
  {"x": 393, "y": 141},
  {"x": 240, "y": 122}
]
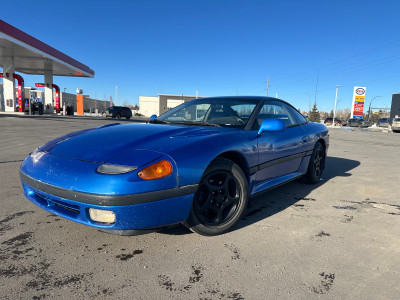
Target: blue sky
[{"x": 222, "y": 47}]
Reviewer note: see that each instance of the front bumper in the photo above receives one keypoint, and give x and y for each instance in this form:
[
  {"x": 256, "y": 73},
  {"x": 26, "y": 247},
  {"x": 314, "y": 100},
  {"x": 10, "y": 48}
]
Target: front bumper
[
  {"x": 132, "y": 212},
  {"x": 396, "y": 127}
]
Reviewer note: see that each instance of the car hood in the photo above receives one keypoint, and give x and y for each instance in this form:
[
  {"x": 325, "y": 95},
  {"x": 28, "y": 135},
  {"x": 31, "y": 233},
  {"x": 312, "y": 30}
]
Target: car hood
[{"x": 104, "y": 143}]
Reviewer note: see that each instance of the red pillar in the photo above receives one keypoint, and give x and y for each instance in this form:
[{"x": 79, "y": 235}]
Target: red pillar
[
  {"x": 21, "y": 92},
  {"x": 57, "y": 97}
]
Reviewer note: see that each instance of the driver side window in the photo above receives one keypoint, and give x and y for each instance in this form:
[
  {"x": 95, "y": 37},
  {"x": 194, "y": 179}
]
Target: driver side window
[{"x": 274, "y": 110}]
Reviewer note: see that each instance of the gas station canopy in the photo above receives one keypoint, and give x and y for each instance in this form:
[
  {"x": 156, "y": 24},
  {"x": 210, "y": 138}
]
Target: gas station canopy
[{"x": 31, "y": 56}]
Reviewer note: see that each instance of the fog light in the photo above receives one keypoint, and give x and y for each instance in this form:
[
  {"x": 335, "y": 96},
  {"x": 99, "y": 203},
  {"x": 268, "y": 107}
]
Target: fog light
[{"x": 103, "y": 216}]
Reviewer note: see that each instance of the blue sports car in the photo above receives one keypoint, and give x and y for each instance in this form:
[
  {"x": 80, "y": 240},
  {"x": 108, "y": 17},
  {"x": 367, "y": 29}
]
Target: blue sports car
[{"x": 197, "y": 164}]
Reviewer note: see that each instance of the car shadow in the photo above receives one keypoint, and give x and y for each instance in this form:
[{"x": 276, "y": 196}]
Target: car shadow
[{"x": 276, "y": 200}]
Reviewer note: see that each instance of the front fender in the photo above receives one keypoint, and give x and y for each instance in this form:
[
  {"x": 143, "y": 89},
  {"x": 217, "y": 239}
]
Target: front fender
[{"x": 194, "y": 158}]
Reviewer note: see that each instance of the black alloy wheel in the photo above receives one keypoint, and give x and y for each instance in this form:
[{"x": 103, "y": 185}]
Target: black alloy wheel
[
  {"x": 316, "y": 164},
  {"x": 220, "y": 200}
]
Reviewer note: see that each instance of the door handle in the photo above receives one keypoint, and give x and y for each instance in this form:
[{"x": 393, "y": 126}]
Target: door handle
[{"x": 304, "y": 139}]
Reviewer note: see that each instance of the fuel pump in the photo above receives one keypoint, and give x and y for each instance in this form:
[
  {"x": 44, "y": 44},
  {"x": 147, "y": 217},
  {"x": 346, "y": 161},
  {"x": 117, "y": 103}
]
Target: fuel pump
[
  {"x": 21, "y": 92},
  {"x": 57, "y": 90}
]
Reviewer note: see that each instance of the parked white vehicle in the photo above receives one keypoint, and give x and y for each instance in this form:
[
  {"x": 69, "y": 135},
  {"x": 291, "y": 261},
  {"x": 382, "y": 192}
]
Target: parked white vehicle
[{"x": 396, "y": 125}]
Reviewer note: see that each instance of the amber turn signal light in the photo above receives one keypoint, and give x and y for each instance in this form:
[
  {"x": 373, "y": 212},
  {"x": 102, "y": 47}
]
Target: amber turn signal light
[{"x": 156, "y": 171}]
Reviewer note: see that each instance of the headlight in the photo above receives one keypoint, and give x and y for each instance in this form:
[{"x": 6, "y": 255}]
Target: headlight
[
  {"x": 156, "y": 171},
  {"x": 114, "y": 169}
]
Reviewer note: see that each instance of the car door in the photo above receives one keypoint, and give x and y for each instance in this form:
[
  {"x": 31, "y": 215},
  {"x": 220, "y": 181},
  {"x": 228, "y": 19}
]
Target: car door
[{"x": 280, "y": 153}]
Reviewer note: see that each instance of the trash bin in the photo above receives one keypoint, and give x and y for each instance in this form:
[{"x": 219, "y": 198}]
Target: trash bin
[
  {"x": 38, "y": 108},
  {"x": 35, "y": 108},
  {"x": 70, "y": 110}
]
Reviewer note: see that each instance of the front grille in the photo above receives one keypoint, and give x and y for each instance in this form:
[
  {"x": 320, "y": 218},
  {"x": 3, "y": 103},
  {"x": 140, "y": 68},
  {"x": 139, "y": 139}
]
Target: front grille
[
  {"x": 61, "y": 207},
  {"x": 72, "y": 208}
]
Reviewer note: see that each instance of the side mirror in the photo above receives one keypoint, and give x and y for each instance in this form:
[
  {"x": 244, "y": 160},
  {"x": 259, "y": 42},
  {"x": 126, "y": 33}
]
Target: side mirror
[
  {"x": 152, "y": 117},
  {"x": 271, "y": 125}
]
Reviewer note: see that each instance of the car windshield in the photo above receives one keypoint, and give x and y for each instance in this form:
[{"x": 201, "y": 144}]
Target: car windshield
[{"x": 226, "y": 112}]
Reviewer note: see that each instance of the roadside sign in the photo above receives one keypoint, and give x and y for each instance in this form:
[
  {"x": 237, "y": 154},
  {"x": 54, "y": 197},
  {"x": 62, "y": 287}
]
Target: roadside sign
[{"x": 357, "y": 107}]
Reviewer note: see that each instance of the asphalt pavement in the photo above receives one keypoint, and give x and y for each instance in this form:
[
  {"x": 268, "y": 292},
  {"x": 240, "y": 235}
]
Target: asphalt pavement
[{"x": 338, "y": 239}]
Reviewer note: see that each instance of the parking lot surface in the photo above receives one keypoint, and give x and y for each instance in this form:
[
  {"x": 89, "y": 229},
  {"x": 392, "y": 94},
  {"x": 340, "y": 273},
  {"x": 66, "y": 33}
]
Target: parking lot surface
[{"x": 339, "y": 239}]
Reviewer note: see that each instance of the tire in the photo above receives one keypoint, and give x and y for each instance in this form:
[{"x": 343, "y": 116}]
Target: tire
[
  {"x": 118, "y": 115},
  {"x": 128, "y": 118},
  {"x": 220, "y": 200},
  {"x": 316, "y": 164}
]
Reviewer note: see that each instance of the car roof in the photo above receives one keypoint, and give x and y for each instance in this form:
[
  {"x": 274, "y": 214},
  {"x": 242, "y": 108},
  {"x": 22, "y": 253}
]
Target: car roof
[
  {"x": 259, "y": 98},
  {"x": 256, "y": 98}
]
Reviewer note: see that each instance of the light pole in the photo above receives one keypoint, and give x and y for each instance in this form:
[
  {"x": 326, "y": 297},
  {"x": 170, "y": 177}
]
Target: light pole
[
  {"x": 369, "y": 109},
  {"x": 337, "y": 104},
  {"x": 309, "y": 103},
  {"x": 334, "y": 110},
  {"x": 116, "y": 94}
]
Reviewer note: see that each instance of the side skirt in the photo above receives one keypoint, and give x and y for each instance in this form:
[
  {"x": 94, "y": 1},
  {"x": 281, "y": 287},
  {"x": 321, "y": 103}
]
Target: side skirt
[{"x": 274, "y": 183}]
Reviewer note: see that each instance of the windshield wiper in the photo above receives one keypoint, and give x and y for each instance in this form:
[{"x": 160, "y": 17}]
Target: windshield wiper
[{"x": 196, "y": 123}]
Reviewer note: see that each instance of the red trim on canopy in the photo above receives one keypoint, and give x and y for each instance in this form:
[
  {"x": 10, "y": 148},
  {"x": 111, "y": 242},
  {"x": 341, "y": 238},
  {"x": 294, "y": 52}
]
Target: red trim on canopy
[{"x": 35, "y": 43}]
